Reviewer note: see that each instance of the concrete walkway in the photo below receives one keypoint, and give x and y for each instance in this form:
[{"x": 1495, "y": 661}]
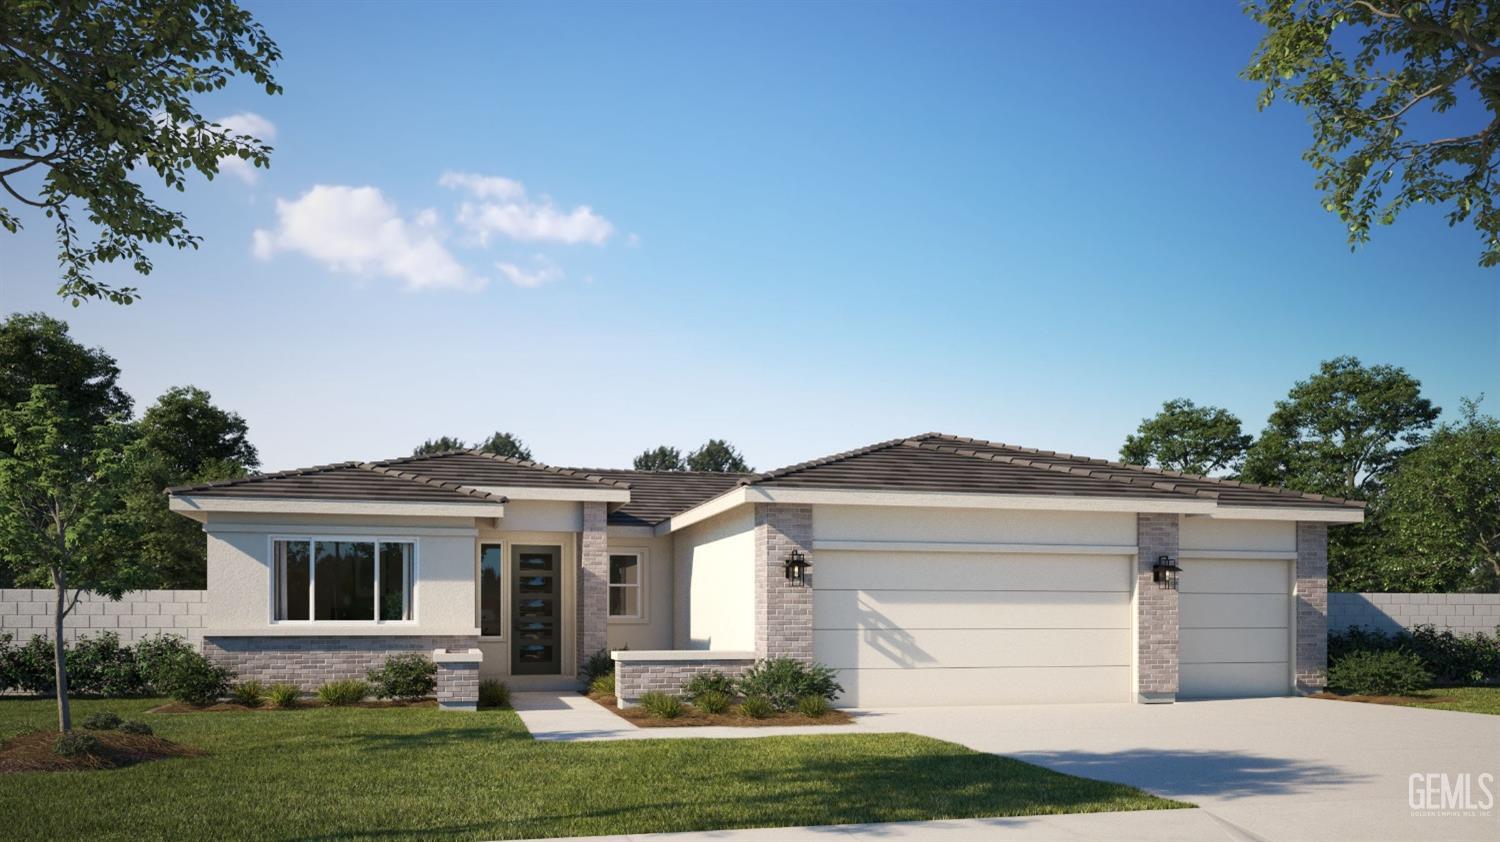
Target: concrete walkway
[{"x": 1139, "y": 826}]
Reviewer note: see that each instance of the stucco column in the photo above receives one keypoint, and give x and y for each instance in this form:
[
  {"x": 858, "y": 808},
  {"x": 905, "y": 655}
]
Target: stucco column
[
  {"x": 593, "y": 582},
  {"x": 1156, "y": 616},
  {"x": 1312, "y": 606},
  {"x": 783, "y": 611}
]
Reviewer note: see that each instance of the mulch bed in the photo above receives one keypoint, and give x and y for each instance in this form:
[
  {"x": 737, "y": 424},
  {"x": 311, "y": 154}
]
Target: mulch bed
[
  {"x": 32, "y": 752},
  {"x": 694, "y": 718},
  {"x": 302, "y": 704},
  {"x": 1386, "y": 700}
]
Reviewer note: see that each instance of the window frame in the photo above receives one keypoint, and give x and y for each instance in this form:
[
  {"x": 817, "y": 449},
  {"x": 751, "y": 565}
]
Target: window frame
[
  {"x": 642, "y": 563},
  {"x": 409, "y": 594}
]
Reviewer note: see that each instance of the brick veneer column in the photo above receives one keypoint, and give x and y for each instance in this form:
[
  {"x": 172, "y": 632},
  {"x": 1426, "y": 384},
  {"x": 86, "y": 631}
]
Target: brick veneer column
[
  {"x": 783, "y": 612},
  {"x": 1155, "y": 610},
  {"x": 593, "y": 583},
  {"x": 1312, "y": 606}
]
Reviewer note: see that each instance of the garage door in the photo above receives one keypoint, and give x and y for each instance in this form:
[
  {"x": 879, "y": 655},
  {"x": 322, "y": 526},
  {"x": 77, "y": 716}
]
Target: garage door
[
  {"x": 1235, "y": 628},
  {"x": 914, "y": 628}
]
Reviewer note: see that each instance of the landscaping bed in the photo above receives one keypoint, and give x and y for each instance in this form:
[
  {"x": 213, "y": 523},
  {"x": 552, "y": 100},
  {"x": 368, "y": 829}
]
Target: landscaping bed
[
  {"x": 301, "y": 704},
  {"x": 691, "y": 717},
  {"x": 33, "y": 752}
]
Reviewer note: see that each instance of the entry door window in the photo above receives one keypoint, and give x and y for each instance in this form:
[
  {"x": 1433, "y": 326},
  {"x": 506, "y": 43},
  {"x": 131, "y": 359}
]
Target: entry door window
[{"x": 537, "y": 641}]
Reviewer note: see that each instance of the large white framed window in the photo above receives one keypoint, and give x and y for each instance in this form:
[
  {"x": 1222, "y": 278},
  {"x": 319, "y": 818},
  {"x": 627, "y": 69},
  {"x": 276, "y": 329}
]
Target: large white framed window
[
  {"x": 342, "y": 579},
  {"x": 627, "y": 575}
]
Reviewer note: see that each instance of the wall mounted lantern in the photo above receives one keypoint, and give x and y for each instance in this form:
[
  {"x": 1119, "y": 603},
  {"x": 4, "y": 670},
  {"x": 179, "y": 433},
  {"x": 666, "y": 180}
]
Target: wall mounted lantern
[
  {"x": 1165, "y": 571},
  {"x": 796, "y": 568}
]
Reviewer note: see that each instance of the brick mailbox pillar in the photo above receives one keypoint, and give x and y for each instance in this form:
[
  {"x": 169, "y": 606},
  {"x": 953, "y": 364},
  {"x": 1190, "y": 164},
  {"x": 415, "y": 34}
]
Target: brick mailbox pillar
[{"x": 457, "y": 678}]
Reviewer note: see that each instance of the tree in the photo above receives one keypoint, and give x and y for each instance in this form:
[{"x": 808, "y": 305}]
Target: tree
[
  {"x": 61, "y": 519},
  {"x": 92, "y": 91},
  {"x": 663, "y": 458},
  {"x": 36, "y": 349},
  {"x": 505, "y": 444},
  {"x": 717, "y": 455},
  {"x": 441, "y": 444},
  {"x": 1339, "y": 431},
  {"x": 1440, "y": 511},
  {"x": 183, "y": 438},
  {"x": 1382, "y": 81},
  {"x": 1187, "y": 438}
]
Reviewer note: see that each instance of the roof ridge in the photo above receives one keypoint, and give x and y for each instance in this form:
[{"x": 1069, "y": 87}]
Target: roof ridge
[
  {"x": 291, "y": 472},
  {"x": 826, "y": 460},
  {"x": 511, "y": 460},
  {"x": 642, "y": 471},
  {"x": 1066, "y": 469},
  {"x": 1281, "y": 490},
  {"x": 457, "y": 488}
]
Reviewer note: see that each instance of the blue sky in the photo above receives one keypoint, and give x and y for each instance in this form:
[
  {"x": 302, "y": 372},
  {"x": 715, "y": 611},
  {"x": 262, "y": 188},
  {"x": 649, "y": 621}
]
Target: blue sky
[{"x": 802, "y": 227}]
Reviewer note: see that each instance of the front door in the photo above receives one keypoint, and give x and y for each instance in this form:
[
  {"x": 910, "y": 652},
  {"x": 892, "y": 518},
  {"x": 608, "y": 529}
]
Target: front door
[{"x": 536, "y": 645}]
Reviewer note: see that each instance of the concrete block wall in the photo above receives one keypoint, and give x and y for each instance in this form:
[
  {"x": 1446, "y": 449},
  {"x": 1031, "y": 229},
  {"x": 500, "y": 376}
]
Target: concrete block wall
[
  {"x": 635, "y": 678},
  {"x": 25, "y": 612},
  {"x": 312, "y": 661},
  {"x": 1392, "y": 612}
]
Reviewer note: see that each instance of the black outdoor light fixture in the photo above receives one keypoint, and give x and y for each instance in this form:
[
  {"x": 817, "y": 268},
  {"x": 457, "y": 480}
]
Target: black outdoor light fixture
[
  {"x": 796, "y": 568},
  {"x": 1164, "y": 572}
]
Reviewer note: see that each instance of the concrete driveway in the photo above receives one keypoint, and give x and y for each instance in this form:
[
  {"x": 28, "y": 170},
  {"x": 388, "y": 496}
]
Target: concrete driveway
[{"x": 1276, "y": 769}]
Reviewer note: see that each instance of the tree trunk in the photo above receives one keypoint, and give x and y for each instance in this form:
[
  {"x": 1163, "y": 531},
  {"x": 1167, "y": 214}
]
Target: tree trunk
[{"x": 64, "y": 715}]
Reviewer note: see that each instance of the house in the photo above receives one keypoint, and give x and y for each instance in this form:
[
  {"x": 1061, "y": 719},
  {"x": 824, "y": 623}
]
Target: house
[{"x": 927, "y": 570}]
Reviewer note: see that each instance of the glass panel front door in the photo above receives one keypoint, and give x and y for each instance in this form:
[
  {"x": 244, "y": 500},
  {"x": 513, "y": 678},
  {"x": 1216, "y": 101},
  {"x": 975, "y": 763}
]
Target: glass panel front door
[{"x": 536, "y": 642}]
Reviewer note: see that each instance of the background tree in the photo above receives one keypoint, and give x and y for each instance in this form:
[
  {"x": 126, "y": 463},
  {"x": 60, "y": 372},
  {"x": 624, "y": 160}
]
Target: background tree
[
  {"x": 1340, "y": 430},
  {"x": 1403, "y": 97},
  {"x": 36, "y": 349},
  {"x": 61, "y": 520},
  {"x": 91, "y": 92},
  {"x": 505, "y": 444},
  {"x": 663, "y": 458},
  {"x": 717, "y": 455},
  {"x": 1187, "y": 438},
  {"x": 1440, "y": 512},
  {"x": 183, "y": 438},
  {"x": 441, "y": 444}
]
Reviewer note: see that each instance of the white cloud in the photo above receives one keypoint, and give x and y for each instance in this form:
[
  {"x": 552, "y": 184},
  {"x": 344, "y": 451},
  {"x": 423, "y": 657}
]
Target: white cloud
[
  {"x": 357, "y": 230},
  {"x": 248, "y": 123},
  {"x": 544, "y": 272},
  {"x": 513, "y": 214}
]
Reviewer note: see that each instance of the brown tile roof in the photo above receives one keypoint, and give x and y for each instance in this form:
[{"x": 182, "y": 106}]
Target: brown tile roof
[
  {"x": 475, "y": 467},
  {"x": 657, "y": 495},
  {"x": 343, "y": 481}
]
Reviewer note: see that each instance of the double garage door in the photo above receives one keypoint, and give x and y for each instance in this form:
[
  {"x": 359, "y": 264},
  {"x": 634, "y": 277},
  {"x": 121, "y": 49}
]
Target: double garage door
[{"x": 914, "y": 628}]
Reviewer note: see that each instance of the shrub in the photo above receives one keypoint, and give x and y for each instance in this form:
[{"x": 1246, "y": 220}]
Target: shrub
[
  {"x": 756, "y": 707},
  {"x": 100, "y": 666},
  {"x": 283, "y": 695},
  {"x": 248, "y": 693},
  {"x": 711, "y": 701},
  {"x": 1389, "y": 673},
  {"x": 158, "y": 654},
  {"x": 599, "y": 663},
  {"x": 783, "y": 681},
  {"x": 813, "y": 706},
  {"x": 75, "y": 744},
  {"x": 604, "y": 685},
  {"x": 189, "y": 677},
  {"x": 102, "y": 721},
  {"x": 661, "y": 705},
  {"x": 348, "y": 691},
  {"x": 137, "y": 727},
  {"x": 31, "y": 666},
  {"x": 7, "y": 662},
  {"x": 494, "y": 694},
  {"x": 407, "y": 676},
  {"x": 1450, "y": 658},
  {"x": 712, "y": 681}
]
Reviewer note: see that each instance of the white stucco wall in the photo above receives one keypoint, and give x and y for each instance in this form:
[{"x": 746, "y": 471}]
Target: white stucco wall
[
  {"x": 654, "y": 629},
  {"x": 1019, "y": 526},
  {"x": 239, "y": 573},
  {"x": 1201, "y": 533},
  {"x": 715, "y": 571},
  {"x": 542, "y": 516}
]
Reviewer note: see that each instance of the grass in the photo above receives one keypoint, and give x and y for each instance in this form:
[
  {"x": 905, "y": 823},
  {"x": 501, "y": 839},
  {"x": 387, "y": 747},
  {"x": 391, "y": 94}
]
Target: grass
[
  {"x": 367, "y": 773},
  {"x": 1464, "y": 699}
]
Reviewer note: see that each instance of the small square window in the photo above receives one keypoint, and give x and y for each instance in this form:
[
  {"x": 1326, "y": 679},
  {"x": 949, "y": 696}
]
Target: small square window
[{"x": 625, "y": 576}]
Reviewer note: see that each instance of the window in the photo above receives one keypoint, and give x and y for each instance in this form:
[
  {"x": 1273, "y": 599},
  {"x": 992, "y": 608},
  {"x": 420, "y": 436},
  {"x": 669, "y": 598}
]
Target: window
[
  {"x": 345, "y": 581},
  {"x": 491, "y": 573},
  {"x": 625, "y": 585}
]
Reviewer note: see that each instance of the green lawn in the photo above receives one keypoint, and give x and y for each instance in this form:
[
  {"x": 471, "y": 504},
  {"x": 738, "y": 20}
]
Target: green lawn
[
  {"x": 1466, "y": 699},
  {"x": 402, "y": 773}
]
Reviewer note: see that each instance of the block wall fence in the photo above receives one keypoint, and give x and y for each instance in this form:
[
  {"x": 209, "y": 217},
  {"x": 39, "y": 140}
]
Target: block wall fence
[
  {"x": 28, "y": 611},
  {"x": 1391, "y": 612}
]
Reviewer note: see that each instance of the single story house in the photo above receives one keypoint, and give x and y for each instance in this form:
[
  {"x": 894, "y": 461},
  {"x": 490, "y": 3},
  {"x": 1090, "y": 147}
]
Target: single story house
[{"x": 929, "y": 570}]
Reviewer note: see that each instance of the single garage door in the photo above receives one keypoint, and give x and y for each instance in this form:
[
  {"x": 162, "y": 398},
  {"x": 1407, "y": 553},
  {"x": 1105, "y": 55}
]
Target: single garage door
[
  {"x": 1235, "y": 618},
  {"x": 944, "y": 628}
]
